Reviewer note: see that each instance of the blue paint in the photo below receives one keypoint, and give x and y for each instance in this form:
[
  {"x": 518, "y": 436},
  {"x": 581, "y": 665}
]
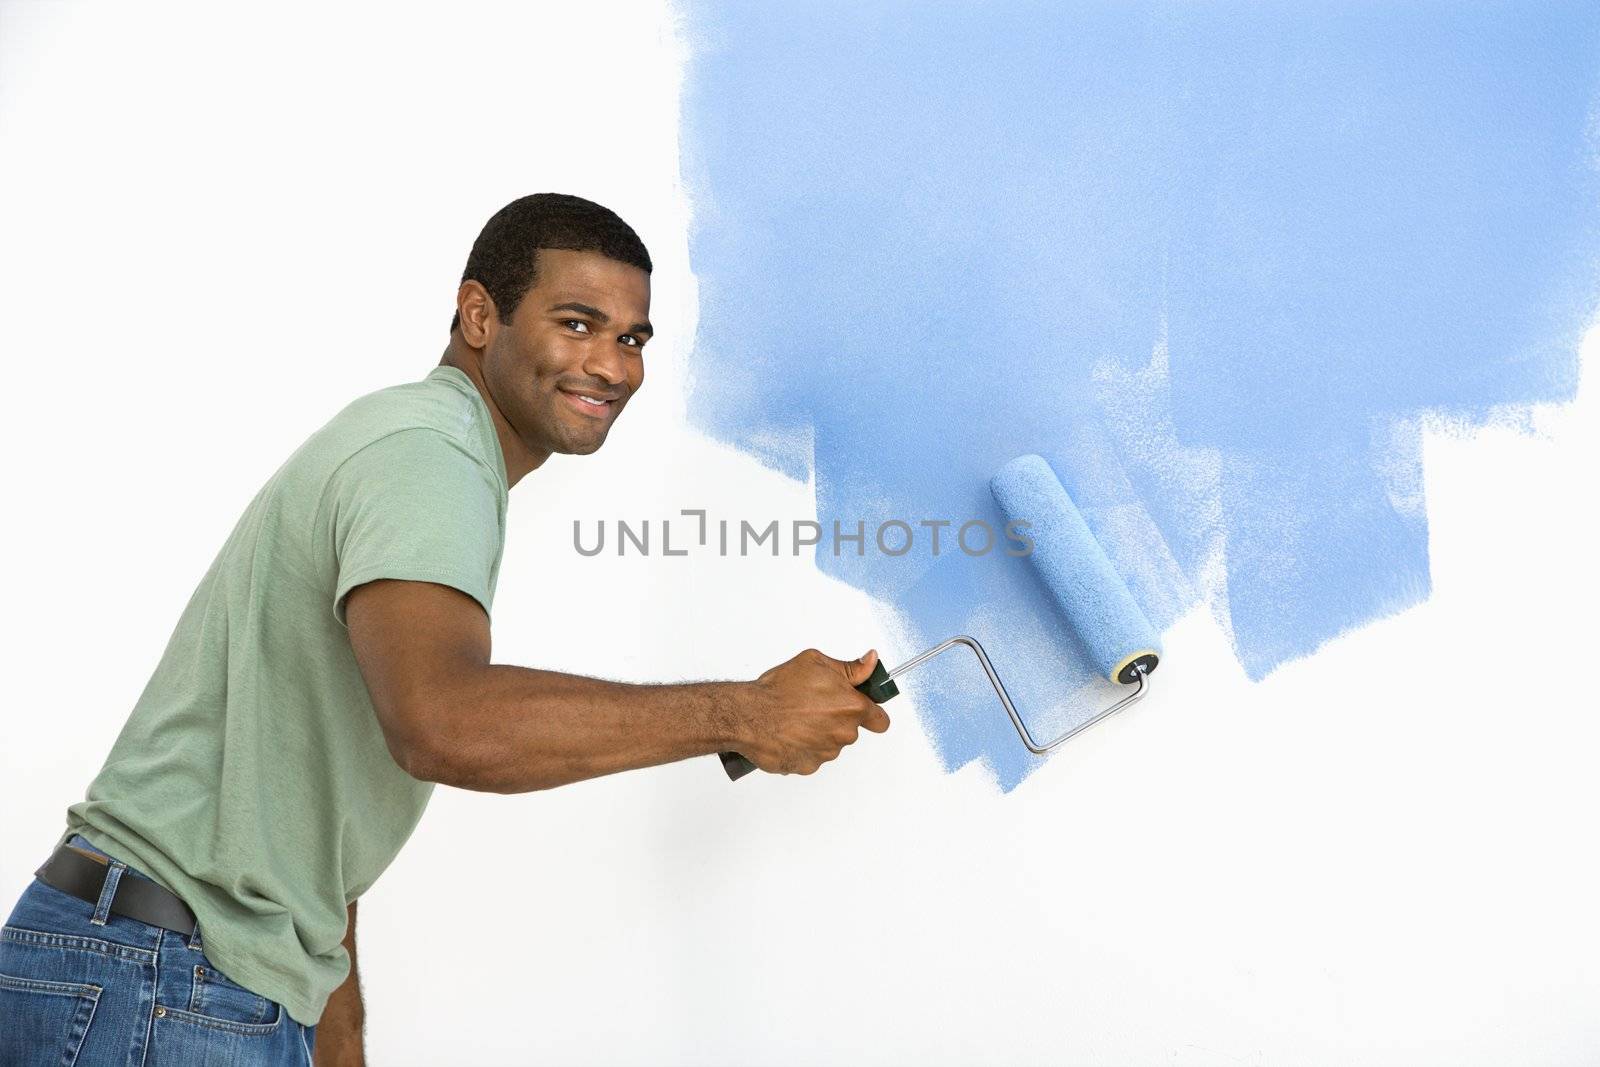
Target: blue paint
[{"x": 1214, "y": 262}]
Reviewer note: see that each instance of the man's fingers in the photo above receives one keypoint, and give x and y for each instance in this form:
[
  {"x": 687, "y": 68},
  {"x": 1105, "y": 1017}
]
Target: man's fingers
[
  {"x": 875, "y": 719},
  {"x": 859, "y": 670},
  {"x": 854, "y": 671}
]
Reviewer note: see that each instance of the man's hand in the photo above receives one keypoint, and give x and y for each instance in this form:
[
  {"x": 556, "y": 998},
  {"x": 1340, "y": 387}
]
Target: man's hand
[{"x": 809, "y": 712}]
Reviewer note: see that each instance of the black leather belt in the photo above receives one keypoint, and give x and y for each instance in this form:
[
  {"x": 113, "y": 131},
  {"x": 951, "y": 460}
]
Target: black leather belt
[{"x": 83, "y": 874}]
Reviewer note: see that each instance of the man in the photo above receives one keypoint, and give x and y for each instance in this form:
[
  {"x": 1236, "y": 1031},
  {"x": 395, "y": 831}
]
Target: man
[{"x": 334, "y": 665}]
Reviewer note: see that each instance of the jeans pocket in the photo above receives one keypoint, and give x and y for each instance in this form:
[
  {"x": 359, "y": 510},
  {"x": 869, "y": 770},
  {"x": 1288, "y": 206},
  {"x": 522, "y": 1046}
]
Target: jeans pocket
[
  {"x": 213, "y": 995},
  {"x": 45, "y": 1021}
]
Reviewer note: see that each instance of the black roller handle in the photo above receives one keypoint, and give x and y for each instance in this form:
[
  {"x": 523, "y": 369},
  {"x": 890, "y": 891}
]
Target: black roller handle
[{"x": 879, "y": 687}]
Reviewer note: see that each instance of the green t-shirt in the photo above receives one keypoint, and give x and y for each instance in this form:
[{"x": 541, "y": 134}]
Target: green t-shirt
[{"x": 252, "y": 778}]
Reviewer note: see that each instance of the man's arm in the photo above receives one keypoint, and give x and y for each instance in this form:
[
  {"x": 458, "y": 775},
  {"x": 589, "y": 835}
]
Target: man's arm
[
  {"x": 338, "y": 1039},
  {"x": 451, "y": 716}
]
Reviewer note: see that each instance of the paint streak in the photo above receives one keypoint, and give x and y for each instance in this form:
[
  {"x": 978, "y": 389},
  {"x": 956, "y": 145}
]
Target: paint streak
[{"x": 1217, "y": 263}]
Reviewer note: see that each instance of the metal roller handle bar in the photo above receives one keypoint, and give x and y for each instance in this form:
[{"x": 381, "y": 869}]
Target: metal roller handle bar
[
  {"x": 737, "y": 766},
  {"x": 1005, "y": 698}
]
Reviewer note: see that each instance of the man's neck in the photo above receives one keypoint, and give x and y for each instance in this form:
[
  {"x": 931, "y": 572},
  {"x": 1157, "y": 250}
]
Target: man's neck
[{"x": 519, "y": 458}]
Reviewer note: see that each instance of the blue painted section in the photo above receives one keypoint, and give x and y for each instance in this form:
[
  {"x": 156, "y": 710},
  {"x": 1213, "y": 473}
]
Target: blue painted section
[{"x": 1214, "y": 262}]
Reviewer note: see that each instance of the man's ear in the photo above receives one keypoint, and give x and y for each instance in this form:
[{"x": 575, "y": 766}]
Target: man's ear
[{"x": 478, "y": 316}]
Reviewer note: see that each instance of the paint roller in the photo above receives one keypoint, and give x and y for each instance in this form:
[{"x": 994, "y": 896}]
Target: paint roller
[{"x": 1120, "y": 641}]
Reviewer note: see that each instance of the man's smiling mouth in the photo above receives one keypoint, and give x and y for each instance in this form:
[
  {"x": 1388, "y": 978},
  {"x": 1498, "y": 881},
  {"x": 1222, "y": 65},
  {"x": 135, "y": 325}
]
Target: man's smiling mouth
[{"x": 594, "y": 405}]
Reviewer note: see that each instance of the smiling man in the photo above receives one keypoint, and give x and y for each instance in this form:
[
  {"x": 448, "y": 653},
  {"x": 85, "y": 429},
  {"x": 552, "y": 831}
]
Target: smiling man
[{"x": 333, "y": 666}]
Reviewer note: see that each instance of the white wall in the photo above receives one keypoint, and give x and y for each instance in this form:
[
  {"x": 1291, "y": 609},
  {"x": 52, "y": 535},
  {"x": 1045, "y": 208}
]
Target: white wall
[{"x": 217, "y": 231}]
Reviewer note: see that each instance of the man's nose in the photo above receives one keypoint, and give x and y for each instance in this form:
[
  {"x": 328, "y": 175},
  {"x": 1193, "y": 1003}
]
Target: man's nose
[{"x": 609, "y": 366}]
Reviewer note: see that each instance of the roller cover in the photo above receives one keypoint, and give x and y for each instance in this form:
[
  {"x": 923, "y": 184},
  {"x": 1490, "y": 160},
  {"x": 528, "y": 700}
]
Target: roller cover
[{"x": 1074, "y": 567}]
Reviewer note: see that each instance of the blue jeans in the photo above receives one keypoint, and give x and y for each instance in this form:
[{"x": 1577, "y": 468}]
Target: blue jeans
[{"x": 81, "y": 987}]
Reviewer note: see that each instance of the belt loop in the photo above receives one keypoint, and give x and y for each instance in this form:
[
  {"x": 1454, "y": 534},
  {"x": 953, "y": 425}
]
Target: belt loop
[
  {"x": 108, "y": 890},
  {"x": 194, "y": 938}
]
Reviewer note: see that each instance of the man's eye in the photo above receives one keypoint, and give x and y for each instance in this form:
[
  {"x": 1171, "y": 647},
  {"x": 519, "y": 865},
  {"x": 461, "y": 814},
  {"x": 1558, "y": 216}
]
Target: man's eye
[
  {"x": 577, "y": 324},
  {"x": 632, "y": 341}
]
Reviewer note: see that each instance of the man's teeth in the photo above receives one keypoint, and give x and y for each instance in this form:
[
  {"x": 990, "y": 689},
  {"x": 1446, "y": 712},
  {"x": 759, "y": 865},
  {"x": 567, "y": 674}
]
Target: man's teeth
[{"x": 591, "y": 400}]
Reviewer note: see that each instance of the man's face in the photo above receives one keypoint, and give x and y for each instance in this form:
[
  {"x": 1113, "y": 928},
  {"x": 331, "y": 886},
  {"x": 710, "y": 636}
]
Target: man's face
[{"x": 579, "y": 332}]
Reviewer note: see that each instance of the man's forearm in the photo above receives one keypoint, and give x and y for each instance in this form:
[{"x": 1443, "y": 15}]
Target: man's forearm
[
  {"x": 338, "y": 1040},
  {"x": 516, "y": 729},
  {"x": 338, "y": 1037}
]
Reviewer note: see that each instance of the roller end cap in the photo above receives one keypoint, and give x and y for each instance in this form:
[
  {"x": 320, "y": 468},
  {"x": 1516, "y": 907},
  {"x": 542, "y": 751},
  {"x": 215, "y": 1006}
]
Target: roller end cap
[{"x": 1139, "y": 664}]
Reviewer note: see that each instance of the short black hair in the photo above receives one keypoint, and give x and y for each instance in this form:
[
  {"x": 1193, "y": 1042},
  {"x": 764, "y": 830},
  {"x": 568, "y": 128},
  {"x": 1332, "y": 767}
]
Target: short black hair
[{"x": 504, "y": 256}]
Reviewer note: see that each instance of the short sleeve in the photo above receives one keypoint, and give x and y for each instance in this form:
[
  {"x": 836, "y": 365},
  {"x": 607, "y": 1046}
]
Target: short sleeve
[{"x": 414, "y": 505}]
